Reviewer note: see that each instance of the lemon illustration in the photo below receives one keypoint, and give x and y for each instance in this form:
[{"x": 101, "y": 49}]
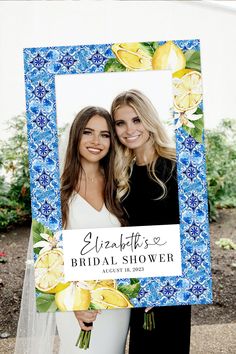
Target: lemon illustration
[
  {"x": 108, "y": 298},
  {"x": 58, "y": 288},
  {"x": 49, "y": 273},
  {"x": 134, "y": 56},
  {"x": 181, "y": 73},
  {"x": 188, "y": 91},
  {"x": 108, "y": 283},
  {"x": 168, "y": 57},
  {"x": 73, "y": 298}
]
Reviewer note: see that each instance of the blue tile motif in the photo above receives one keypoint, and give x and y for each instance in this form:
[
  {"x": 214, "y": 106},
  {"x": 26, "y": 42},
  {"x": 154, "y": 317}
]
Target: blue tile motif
[{"x": 41, "y": 66}]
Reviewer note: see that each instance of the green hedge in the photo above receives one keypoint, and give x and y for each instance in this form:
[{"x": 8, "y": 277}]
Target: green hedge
[
  {"x": 221, "y": 166},
  {"x": 15, "y": 194}
]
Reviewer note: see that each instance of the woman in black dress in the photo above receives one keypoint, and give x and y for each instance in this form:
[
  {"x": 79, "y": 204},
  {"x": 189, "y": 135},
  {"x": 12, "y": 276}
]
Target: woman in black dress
[{"x": 145, "y": 170}]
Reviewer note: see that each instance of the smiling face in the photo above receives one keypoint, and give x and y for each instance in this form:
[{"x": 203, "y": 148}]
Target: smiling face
[
  {"x": 95, "y": 140},
  {"x": 129, "y": 128}
]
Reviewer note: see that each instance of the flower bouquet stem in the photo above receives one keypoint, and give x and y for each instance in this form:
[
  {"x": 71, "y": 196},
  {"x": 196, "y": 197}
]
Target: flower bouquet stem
[
  {"x": 84, "y": 338},
  {"x": 149, "y": 321}
]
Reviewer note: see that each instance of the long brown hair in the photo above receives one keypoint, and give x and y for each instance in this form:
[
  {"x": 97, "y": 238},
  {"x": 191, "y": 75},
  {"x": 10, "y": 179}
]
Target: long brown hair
[
  {"x": 73, "y": 169},
  {"x": 162, "y": 144}
]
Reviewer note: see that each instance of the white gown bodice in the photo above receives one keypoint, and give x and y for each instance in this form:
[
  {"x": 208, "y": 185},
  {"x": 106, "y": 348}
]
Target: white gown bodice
[{"x": 82, "y": 215}]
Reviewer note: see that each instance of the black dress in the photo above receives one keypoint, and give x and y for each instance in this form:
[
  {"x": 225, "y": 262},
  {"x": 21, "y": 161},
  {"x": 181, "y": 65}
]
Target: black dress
[{"x": 173, "y": 323}]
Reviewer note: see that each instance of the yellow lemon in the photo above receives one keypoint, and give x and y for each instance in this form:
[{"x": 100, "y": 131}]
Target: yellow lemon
[
  {"x": 168, "y": 57},
  {"x": 134, "y": 56},
  {"x": 73, "y": 298},
  {"x": 181, "y": 73},
  {"x": 108, "y": 298},
  {"x": 107, "y": 283},
  {"x": 59, "y": 287},
  {"x": 188, "y": 91},
  {"x": 49, "y": 274}
]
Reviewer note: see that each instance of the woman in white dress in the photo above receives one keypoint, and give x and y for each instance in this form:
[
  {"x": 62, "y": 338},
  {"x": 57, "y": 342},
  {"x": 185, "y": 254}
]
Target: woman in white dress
[{"x": 88, "y": 201}]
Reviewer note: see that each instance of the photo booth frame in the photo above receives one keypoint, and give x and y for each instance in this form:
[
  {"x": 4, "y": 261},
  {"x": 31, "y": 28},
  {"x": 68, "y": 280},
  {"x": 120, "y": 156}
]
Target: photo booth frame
[{"x": 182, "y": 57}]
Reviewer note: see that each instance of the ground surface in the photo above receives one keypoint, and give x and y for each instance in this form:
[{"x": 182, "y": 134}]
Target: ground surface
[{"x": 14, "y": 243}]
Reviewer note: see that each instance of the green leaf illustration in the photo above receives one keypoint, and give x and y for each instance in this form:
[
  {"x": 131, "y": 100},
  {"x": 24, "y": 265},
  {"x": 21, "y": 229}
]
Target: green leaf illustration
[
  {"x": 131, "y": 290},
  {"x": 37, "y": 229},
  {"x": 46, "y": 303},
  {"x": 193, "y": 60},
  {"x": 196, "y": 132},
  {"x": 148, "y": 47},
  {"x": 113, "y": 65},
  {"x": 198, "y": 111},
  {"x": 93, "y": 306},
  {"x": 154, "y": 45}
]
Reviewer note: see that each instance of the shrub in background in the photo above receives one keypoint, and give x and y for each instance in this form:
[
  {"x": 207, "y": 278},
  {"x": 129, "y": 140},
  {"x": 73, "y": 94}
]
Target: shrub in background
[
  {"x": 15, "y": 190},
  {"x": 221, "y": 166}
]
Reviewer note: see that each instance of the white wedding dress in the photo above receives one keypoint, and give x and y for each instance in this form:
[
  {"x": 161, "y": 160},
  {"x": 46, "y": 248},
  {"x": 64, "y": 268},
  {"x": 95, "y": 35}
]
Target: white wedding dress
[{"x": 110, "y": 328}]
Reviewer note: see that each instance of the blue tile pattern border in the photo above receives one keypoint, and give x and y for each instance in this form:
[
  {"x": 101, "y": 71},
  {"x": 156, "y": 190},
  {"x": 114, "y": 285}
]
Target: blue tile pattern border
[{"x": 41, "y": 66}]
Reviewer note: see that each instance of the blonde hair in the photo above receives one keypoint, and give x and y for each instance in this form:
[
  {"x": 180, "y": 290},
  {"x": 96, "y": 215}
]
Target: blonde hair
[{"x": 162, "y": 144}]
